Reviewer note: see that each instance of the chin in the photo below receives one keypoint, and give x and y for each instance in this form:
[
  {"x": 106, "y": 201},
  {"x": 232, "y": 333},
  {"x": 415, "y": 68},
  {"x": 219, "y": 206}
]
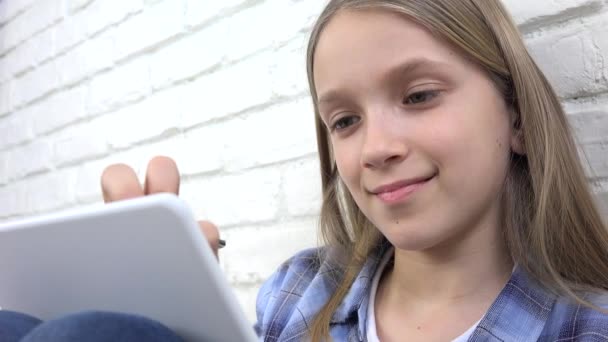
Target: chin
[
  {"x": 414, "y": 240},
  {"x": 413, "y": 245}
]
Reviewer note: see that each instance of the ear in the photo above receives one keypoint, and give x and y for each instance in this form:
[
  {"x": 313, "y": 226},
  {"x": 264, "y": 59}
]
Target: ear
[
  {"x": 517, "y": 134},
  {"x": 517, "y": 143}
]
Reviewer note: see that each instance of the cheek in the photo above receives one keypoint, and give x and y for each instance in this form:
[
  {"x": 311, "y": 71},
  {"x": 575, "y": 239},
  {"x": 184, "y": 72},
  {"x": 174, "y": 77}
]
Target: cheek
[
  {"x": 475, "y": 150},
  {"x": 348, "y": 164}
]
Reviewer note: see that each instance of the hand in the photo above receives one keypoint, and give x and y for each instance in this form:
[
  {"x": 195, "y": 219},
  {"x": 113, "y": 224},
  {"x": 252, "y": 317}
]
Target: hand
[{"x": 119, "y": 182}]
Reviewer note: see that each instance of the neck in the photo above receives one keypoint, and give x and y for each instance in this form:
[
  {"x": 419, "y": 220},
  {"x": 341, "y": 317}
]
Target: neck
[{"x": 474, "y": 268}]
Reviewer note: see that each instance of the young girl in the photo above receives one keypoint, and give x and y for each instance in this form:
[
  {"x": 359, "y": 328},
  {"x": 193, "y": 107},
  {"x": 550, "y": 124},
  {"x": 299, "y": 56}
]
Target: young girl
[{"x": 455, "y": 207}]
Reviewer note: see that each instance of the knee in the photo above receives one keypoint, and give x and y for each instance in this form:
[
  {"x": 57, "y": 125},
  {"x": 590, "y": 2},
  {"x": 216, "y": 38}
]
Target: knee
[
  {"x": 14, "y": 325},
  {"x": 102, "y": 326}
]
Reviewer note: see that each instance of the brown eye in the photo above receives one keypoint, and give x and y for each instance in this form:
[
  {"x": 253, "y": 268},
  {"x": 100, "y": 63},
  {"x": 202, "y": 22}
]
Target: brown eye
[
  {"x": 345, "y": 122},
  {"x": 420, "y": 97}
]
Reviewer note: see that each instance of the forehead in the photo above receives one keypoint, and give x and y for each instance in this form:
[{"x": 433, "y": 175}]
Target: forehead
[{"x": 369, "y": 42}]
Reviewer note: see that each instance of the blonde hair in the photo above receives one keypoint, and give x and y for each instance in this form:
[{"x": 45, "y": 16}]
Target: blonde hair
[{"x": 551, "y": 225}]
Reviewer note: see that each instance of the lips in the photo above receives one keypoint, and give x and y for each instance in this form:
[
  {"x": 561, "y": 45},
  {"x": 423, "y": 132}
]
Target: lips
[
  {"x": 399, "y": 184},
  {"x": 400, "y": 190}
]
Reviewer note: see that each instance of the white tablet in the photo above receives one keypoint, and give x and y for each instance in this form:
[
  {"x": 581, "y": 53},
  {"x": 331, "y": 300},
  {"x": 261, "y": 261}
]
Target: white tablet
[{"x": 143, "y": 256}]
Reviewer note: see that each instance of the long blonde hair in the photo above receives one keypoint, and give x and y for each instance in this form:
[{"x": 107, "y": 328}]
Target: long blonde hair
[{"x": 551, "y": 225}]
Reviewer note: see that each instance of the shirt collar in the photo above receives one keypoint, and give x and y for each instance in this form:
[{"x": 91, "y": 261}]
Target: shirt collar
[
  {"x": 519, "y": 313},
  {"x": 356, "y": 301}
]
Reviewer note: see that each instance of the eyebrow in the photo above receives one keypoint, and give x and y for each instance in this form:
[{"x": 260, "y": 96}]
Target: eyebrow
[{"x": 400, "y": 70}]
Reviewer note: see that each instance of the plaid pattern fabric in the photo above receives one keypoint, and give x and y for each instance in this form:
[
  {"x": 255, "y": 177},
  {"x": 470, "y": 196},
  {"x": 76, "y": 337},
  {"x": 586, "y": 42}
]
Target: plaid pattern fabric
[{"x": 523, "y": 311}]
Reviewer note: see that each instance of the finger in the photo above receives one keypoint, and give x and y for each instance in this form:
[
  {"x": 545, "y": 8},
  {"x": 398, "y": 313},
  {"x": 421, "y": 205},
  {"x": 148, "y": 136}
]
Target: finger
[
  {"x": 162, "y": 176},
  {"x": 212, "y": 235},
  {"x": 119, "y": 182}
]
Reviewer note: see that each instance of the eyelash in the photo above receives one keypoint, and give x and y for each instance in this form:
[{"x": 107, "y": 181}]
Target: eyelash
[
  {"x": 429, "y": 95},
  {"x": 343, "y": 120},
  {"x": 432, "y": 93}
]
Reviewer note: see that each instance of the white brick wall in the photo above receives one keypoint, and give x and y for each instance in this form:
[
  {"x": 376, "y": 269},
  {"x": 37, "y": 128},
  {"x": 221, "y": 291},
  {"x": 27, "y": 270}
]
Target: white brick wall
[{"x": 221, "y": 87}]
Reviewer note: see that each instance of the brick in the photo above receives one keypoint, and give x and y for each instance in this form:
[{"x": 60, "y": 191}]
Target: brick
[
  {"x": 125, "y": 83},
  {"x": 171, "y": 146},
  {"x": 59, "y": 110},
  {"x": 5, "y": 98},
  {"x": 13, "y": 200},
  {"x": 35, "y": 84},
  {"x": 228, "y": 91},
  {"x": 189, "y": 56},
  {"x": 96, "y": 17},
  {"x": 20, "y": 59},
  {"x": 602, "y": 202},
  {"x": 4, "y": 170},
  {"x": 78, "y": 143},
  {"x": 87, "y": 59},
  {"x": 293, "y": 18},
  {"x": 203, "y": 150},
  {"x": 156, "y": 24},
  {"x": 34, "y": 157},
  {"x": 535, "y": 13},
  {"x": 101, "y": 14},
  {"x": 5, "y": 61},
  {"x": 8, "y": 9},
  {"x": 75, "y": 5},
  {"x": 573, "y": 74},
  {"x": 146, "y": 120},
  {"x": 199, "y": 12},
  {"x": 16, "y": 128},
  {"x": 600, "y": 42},
  {"x": 596, "y": 155},
  {"x": 68, "y": 33},
  {"x": 87, "y": 187},
  {"x": 235, "y": 199},
  {"x": 12, "y": 64},
  {"x": 50, "y": 191},
  {"x": 590, "y": 126},
  {"x": 32, "y": 52},
  {"x": 302, "y": 187},
  {"x": 39, "y": 16},
  {"x": 259, "y": 33},
  {"x": 270, "y": 244},
  {"x": 275, "y": 134},
  {"x": 288, "y": 72}
]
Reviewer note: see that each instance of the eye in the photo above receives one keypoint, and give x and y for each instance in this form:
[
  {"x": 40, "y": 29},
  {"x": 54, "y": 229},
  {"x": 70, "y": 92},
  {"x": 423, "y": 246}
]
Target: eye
[
  {"x": 420, "y": 97},
  {"x": 345, "y": 122}
]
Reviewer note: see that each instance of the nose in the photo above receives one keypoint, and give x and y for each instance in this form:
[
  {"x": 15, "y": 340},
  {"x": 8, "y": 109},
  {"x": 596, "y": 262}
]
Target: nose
[{"x": 384, "y": 144}]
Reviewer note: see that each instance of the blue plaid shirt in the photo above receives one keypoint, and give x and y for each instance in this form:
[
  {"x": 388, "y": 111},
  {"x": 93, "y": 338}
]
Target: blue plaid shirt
[{"x": 523, "y": 311}]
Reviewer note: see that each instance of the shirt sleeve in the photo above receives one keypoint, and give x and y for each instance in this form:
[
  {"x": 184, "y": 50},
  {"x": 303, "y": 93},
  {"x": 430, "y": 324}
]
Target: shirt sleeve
[{"x": 266, "y": 298}]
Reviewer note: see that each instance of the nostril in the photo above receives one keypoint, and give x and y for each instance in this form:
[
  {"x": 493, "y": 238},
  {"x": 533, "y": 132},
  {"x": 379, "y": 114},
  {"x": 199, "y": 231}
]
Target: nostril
[
  {"x": 392, "y": 159},
  {"x": 380, "y": 161}
]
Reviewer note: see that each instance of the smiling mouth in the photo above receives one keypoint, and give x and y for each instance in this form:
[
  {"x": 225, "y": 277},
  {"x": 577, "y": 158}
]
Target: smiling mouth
[{"x": 400, "y": 191}]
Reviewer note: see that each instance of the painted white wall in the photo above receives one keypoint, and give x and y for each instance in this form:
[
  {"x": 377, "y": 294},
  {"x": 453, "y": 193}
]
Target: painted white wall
[{"x": 220, "y": 86}]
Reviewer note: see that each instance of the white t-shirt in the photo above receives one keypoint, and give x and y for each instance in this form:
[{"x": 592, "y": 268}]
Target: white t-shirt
[{"x": 372, "y": 334}]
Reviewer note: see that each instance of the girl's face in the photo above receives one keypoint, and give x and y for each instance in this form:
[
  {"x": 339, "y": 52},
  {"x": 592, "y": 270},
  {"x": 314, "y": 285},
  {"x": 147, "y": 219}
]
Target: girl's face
[{"x": 421, "y": 136}]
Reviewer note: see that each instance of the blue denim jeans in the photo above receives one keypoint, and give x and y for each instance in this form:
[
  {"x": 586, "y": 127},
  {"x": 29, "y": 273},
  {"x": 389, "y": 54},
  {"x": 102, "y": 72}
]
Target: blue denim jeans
[{"x": 92, "y": 326}]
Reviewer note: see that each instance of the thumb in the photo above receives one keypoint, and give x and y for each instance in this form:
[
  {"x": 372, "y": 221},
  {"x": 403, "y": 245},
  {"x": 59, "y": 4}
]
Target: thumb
[{"x": 212, "y": 235}]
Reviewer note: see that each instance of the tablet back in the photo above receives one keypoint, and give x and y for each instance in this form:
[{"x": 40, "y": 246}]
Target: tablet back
[{"x": 143, "y": 256}]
